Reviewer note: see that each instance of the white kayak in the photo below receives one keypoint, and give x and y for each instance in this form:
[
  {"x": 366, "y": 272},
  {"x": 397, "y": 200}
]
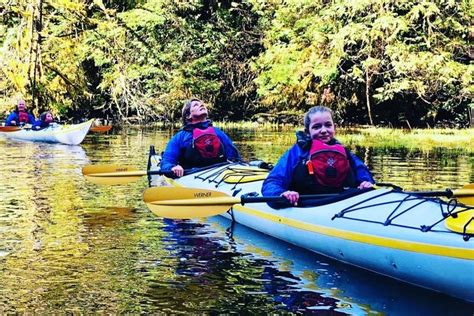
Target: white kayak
[
  {"x": 64, "y": 134},
  {"x": 393, "y": 233}
]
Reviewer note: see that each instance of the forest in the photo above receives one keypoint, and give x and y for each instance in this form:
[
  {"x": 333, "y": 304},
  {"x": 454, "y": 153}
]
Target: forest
[{"x": 394, "y": 63}]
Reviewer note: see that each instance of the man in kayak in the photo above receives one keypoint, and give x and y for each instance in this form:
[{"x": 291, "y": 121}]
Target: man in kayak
[
  {"x": 46, "y": 119},
  {"x": 198, "y": 143},
  {"x": 20, "y": 116},
  {"x": 316, "y": 164}
]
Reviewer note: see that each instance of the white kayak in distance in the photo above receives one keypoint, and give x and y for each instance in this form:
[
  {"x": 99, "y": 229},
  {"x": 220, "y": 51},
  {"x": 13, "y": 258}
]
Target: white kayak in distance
[
  {"x": 408, "y": 237},
  {"x": 65, "y": 134}
]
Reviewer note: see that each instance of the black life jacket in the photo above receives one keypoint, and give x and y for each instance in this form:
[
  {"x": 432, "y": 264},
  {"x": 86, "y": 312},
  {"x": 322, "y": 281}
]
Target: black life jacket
[
  {"x": 205, "y": 149},
  {"x": 327, "y": 169}
]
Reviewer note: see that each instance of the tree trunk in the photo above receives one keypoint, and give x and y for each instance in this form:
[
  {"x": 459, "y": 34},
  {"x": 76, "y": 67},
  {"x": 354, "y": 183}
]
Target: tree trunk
[
  {"x": 471, "y": 116},
  {"x": 368, "y": 83},
  {"x": 38, "y": 27}
]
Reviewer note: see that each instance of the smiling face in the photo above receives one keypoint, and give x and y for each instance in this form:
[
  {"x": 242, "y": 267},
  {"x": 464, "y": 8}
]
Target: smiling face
[
  {"x": 48, "y": 118},
  {"x": 321, "y": 126},
  {"x": 197, "y": 111}
]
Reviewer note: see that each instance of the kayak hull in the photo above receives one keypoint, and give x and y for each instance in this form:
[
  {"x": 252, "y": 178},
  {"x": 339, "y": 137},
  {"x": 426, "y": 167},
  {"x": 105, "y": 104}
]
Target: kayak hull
[
  {"x": 64, "y": 134},
  {"x": 380, "y": 230},
  {"x": 418, "y": 268}
]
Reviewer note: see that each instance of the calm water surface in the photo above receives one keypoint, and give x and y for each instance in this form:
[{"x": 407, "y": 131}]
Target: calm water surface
[{"x": 70, "y": 246}]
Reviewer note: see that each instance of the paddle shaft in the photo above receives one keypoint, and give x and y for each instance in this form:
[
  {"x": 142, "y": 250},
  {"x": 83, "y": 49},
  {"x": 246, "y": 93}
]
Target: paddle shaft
[
  {"x": 170, "y": 174},
  {"x": 259, "y": 199},
  {"x": 446, "y": 193},
  {"x": 138, "y": 173}
]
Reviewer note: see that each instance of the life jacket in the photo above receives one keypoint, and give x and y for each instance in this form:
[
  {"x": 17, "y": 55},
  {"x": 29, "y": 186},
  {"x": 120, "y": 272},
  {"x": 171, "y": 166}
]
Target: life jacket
[
  {"x": 23, "y": 117},
  {"x": 205, "y": 149},
  {"x": 326, "y": 169},
  {"x": 328, "y": 164}
]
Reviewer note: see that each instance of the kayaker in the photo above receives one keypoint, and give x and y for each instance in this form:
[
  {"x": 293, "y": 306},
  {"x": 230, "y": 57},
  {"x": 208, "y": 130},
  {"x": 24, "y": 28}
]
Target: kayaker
[
  {"x": 46, "y": 119},
  {"x": 20, "y": 116},
  {"x": 198, "y": 143},
  {"x": 317, "y": 163}
]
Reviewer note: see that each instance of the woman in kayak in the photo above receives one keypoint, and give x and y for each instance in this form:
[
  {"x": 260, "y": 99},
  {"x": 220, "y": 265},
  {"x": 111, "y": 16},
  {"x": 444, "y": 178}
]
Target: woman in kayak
[
  {"x": 20, "y": 116},
  {"x": 46, "y": 119},
  {"x": 317, "y": 163},
  {"x": 198, "y": 143}
]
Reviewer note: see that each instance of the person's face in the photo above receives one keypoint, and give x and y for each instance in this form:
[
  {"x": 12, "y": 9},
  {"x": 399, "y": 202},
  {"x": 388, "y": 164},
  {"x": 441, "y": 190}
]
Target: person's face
[
  {"x": 21, "y": 106},
  {"x": 48, "y": 117},
  {"x": 321, "y": 127},
  {"x": 198, "y": 110}
]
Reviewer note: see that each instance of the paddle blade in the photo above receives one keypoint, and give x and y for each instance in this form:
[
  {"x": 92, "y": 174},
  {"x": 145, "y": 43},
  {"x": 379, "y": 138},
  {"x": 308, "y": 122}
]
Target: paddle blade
[
  {"x": 112, "y": 180},
  {"x": 111, "y": 174},
  {"x": 462, "y": 223},
  {"x": 9, "y": 128},
  {"x": 101, "y": 129},
  {"x": 465, "y": 194},
  {"x": 174, "y": 202},
  {"x": 99, "y": 169}
]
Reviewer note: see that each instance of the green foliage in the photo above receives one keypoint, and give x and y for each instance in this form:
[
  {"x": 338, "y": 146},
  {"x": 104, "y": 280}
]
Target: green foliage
[
  {"x": 130, "y": 59},
  {"x": 379, "y": 51},
  {"x": 371, "y": 61}
]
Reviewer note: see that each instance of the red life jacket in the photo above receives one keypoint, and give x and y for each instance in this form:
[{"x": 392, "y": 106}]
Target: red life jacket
[
  {"x": 206, "y": 142},
  {"x": 328, "y": 164},
  {"x": 206, "y": 149},
  {"x": 23, "y": 117}
]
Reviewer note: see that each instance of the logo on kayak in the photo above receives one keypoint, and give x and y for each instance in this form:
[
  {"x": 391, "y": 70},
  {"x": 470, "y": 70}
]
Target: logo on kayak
[
  {"x": 121, "y": 169},
  {"x": 202, "y": 194}
]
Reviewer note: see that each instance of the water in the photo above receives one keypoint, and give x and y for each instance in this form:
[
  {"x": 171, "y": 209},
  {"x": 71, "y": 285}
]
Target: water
[{"x": 70, "y": 246}]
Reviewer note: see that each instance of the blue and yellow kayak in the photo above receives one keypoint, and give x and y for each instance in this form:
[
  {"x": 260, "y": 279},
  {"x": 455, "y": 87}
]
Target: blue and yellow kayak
[{"x": 390, "y": 232}]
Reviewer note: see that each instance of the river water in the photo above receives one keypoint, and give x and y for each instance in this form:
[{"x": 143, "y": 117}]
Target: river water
[{"x": 69, "y": 246}]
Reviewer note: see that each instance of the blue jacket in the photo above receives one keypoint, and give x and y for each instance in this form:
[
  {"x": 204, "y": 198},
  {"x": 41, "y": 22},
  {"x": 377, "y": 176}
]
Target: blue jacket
[
  {"x": 279, "y": 179},
  {"x": 39, "y": 124},
  {"x": 179, "y": 142},
  {"x": 14, "y": 117}
]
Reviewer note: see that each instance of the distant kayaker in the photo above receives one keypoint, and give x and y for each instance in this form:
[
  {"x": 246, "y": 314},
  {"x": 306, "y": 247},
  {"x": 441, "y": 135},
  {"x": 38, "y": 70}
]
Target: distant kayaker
[
  {"x": 197, "y": 143},
  {"x": 316, "y": 164},
  {"x": 46, "y": 119},
  {"x": 20, "y": 116}
]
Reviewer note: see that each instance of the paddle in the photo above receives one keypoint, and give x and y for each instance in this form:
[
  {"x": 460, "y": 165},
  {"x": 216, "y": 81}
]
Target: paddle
[
  {"x": 114, "y": 174},
  {"x": 101, "y": 129},
  {"x": 465, "y": 194},
  {"x": 177, "y": 202},
  {"x": 9, "y": 128},
  {"x": 117, "y": 174}
]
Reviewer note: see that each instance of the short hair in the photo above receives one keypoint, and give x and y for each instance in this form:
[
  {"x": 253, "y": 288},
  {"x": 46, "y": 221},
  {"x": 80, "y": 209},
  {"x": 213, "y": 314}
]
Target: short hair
[
  {"x": 186, "y": 111},
  {"x": 314, "y": 110}
]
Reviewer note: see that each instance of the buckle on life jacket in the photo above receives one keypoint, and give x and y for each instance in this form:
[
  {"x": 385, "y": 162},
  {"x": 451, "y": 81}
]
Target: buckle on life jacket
[{"x": 310, "y": 167}]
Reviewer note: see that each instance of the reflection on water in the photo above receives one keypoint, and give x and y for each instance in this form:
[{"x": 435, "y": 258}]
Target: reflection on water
[{"x": 70, "y": 246}]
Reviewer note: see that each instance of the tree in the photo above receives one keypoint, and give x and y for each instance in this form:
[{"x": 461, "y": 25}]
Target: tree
[{"x": 372, "y": 52}]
